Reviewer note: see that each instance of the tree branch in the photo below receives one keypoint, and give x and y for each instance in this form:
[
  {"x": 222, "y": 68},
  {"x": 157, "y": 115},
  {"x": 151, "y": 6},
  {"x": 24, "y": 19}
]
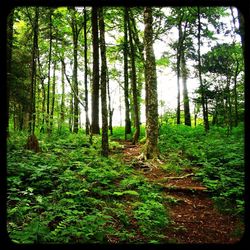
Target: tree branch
[{"x": 72, "y": 88}]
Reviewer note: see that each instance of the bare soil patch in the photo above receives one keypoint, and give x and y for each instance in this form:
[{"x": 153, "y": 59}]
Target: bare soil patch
[{"x": 194, "y": 216}]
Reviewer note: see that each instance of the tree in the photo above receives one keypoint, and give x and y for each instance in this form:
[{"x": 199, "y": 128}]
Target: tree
[
  {"x": 10, "y": 21},
  {"x": 126, "y": 83},
  {"x": 19, "y": 70},
  {"x": 183, "y": 19},
  {"x": 53, "y": 95},
  {"x": 105, "y": 146},
  {"x": 32, "y": 142},
  {"x": 139, "y": 57},
  {"x": 224, "y": 63},
  {"x": 110, "y": 109},
  {"x": 134, "y": 88},
  {"x": 49, "y": 67},
  {"x": 203, "y": 98},
  {"x": 95, "y": 129},
  {"x": 62, "y": 109},
  {"x": 179, "y": 57},
  {"x": 151, "y": 150},
  {"x": 241, "y": 29},
  {"x": 87, "y": 123},
  {"x": 76, "y": 28},
  {"x": 185, "y": 92}
]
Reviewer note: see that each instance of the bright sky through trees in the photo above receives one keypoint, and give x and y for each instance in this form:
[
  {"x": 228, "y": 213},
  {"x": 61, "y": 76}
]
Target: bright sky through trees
[{"x": 166, "y": 75}]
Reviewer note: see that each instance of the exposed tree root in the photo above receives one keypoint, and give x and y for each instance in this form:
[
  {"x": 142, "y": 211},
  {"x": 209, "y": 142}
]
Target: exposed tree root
[
  {"x": 182, "y": 189},
  {"x": 165, "y": 179},
  {"x": 146, "y": 166}
]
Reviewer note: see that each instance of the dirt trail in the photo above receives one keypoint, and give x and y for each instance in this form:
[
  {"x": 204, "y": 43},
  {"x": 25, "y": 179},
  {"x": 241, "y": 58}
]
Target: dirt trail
[{"x": 194, "y": 218}]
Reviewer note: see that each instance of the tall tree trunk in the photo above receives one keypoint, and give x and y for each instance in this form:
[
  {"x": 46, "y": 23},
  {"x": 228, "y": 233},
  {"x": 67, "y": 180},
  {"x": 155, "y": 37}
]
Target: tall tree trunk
[
  {"x": 178, "y": 110},
  {"x": 215, "y": 113},
  {"x": 229, "y": 106},
  {"x": 42, "y": 78},
  {"x": 105, "y": 145},
  {"x": 95, "y": 129},
  {"x": 74, "y": 29},
  {"x": 32, "y": 142},
  {"x": 205, "y": 114},
  {"x": 178, "y": 65},
  {"x": 195, "y": 116},
  {"x": 53, "y": 97},
  {"x": 71, "y": 107},
  {"x": 138, "y": 48},
  {"x": 9, "y": 60},
  {"x": 241, "y": 29},
  {"x": 110, "y": 110},
  {"x": 151, "y": 87},
  {"x": 134, "y": 88},
  {"x": 75, "y": 86},
  {"x": 33, "y": 73},
  {"x": 49, "y": 63},
  {"x": 87, "y": 123},
  {"x": 185, "y": 92},
  {"x": 126, "y": 83},
  {"x": 235, "y": 95},
  {"x": 62, "y": 109}
]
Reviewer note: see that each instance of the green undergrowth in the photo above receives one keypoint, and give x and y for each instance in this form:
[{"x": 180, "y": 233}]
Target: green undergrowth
[
  {"x": 216, "y": 158},
  {"x": 119, "y": 133},
  {"x": 68, "y": 193}
]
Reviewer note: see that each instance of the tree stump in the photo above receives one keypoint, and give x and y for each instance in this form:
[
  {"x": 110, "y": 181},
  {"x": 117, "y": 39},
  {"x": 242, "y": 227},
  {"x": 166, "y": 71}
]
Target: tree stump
[{"x": 32, "y": 143}]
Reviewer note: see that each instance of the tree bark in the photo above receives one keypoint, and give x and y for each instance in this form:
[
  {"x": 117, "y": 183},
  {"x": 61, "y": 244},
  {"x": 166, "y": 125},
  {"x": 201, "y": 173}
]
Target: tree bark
[
  {"x": 53, "y": 97},
  {"x": 42, "y": 78},
  {"x": 134, "y": 88},
  {"x": 71, "y": 107},
  {"x": 205, "y": 114},
  {"x": 228, "y": 106},
  {"x": 33, "y": 73},
  {"x": 32, "y": 142},
  {"x": 151, "y": 88},
  {"x": 181, "y": 71},
  {"x": 185, "y": 92},
  {"x": 110, "y": 110},
  {"x": 241, "y": 29},
  {"x": 235, "y": 95},
  {"x": 105, "y": 146},
  {"x": 178, "y": 65},
  {"x": 126, "y": 83},
  {"x": 49, "y": 63},
  {"x": 75, "y": 33},
  {"x": 95, "y": 129},
  {"x": 87, "y": 123},
  {"x": 9, "y": 61},
  {"x": 62, "y": 109}
]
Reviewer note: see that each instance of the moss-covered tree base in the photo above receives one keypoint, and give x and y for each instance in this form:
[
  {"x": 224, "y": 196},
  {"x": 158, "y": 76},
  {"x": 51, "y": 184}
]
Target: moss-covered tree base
[{"x": 151, "y": 152}]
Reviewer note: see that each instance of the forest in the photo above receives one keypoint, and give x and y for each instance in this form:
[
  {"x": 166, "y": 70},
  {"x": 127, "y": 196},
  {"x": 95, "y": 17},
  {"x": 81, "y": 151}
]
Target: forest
[{"x": 125, "y": 125}]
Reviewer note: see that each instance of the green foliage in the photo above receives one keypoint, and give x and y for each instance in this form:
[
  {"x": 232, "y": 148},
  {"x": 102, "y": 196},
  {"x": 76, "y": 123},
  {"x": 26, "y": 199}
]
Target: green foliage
[
  {"x": 151, "y": 216},
  {"x": 163, "y": 61},
  {"x": 218, "y": 160},
  {"x": 67, "y": 193},
  {"x": 119, "y": 133}
]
